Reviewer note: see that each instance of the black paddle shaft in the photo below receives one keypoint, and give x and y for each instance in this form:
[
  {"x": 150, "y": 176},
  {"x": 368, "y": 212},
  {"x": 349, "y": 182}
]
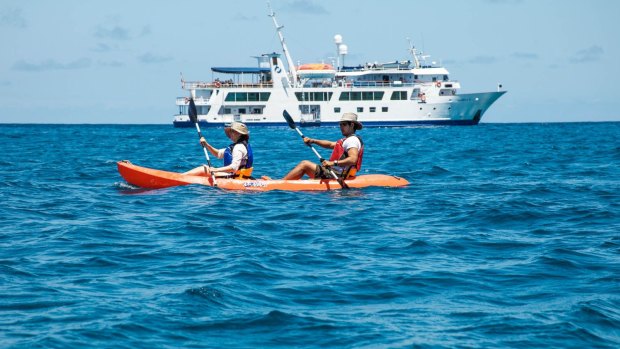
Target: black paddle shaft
[{"x": 193, "y": 116}]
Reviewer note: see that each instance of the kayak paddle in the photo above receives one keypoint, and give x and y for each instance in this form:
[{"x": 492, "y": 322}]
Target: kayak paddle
[
  {"x": 193, "y": 116},
  {"x": 292, "y": 125}
]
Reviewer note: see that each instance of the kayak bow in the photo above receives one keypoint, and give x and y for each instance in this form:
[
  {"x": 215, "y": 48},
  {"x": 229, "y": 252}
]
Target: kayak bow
[{"x": 144, "y": 177}]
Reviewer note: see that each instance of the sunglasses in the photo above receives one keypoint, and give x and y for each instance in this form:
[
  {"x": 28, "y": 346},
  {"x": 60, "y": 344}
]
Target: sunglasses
[{"x": 344, "y": 123}]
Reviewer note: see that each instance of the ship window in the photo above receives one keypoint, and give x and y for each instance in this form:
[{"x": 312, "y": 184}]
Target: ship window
[
  {"x": 445, "y": 78},
  {"x": 257, "y": 110},
  {"x": 241, "y": 110},
  {"x": 226, "y": 110},
  {"x": 373, "y": 109},
  {"x": 345, "y": 96},
  {"x": 399, "y": 95},
  {"x": 244, "y": 97},
  {"x": 356, "y": 96},
  {"x": 314, "y": 96},
  {"x": 370, "y": 96},
  {"x": 360, "y": 109},
  {"x": 336, "y": 109},
  {"x": 384, "y": 109}
]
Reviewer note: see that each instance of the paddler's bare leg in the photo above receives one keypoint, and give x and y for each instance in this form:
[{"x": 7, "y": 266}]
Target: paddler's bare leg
[
  {"x": 198, "y": 171},
  {"x": 303, "y": 168},
  {"x": 203, "y": 171}
]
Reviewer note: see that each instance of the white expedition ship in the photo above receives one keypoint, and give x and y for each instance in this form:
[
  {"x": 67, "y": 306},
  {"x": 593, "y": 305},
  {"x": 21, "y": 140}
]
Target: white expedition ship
[{"x": 399, "y": 93}]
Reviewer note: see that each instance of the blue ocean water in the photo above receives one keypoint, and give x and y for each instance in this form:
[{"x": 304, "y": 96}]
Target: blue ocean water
[{"x": 508, "y": 236}]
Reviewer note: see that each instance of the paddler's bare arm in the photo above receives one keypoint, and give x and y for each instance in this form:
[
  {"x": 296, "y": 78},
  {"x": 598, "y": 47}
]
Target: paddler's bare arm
[
  {"x": 320, "y": 142},
  {"x": 350, "y": 160},
  {"x": 221, "y": 169},
  {"x": 209, "y": 147}
]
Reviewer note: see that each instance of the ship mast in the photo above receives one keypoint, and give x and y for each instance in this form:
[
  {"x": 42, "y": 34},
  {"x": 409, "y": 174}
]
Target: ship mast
[
  {"x": 289, "y": 60},
  {"x": 414, "y": 53}
]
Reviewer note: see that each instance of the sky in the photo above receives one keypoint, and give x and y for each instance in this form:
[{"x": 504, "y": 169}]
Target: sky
[{"x": 118, "y": 61}]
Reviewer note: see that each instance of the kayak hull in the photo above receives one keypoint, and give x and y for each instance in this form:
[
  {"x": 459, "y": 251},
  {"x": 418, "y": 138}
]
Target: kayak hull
[{"x": 144, "y": 177}]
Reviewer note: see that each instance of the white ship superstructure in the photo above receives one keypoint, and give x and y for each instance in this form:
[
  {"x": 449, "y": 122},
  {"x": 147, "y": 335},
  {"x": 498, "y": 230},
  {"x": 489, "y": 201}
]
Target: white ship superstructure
[{"x": 400, "y": 93}]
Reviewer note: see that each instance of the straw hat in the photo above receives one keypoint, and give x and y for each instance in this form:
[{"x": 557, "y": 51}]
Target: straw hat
[
  {"x": 238, "y": 127},
  {"x": 352, "y": 117}
]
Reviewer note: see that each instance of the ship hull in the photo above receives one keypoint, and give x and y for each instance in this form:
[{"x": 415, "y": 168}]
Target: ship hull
[
  {"x": 189, "y": 124},
  {"x": 458, "y": 110}
]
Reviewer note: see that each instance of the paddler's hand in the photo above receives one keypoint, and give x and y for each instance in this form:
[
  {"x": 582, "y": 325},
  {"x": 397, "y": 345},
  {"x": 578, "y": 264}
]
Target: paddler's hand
[
  {"x": 327, "y": 163},
  {"x": 203, "y": 141},
  {"x": 208, "y": 170},
  {"x": 308, "y": 141}
]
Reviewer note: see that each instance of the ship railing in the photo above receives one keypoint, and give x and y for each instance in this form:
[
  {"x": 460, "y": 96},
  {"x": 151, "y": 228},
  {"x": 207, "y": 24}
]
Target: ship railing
[
  {"x": 379, "y": 84},
  {"x": 374, "y": 67},
  {"x": 343, "y": 83},
  {"x": 374, "y": 84},
  {"x": 395, "y": 83},
  {"x": 195, "y": 85}
]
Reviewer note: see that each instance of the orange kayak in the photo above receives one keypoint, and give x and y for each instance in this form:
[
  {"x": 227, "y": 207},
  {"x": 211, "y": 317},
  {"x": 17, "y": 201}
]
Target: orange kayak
[{"x": 144, "y": 177}]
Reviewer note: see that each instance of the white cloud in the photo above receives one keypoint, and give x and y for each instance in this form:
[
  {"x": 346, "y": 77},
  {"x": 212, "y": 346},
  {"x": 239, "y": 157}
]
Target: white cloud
[
  {"x": 51, "y": 64},
  {"x": 305, "y": 7},
  {"x": 12, "y": 18},
  {"x": 150, "y": 58},
  {"x": 115, "y": 33},
  {"x": 525, "y": 55},
  {"x": 590, "y": 54},
  {"x": 483, "y": 60}
]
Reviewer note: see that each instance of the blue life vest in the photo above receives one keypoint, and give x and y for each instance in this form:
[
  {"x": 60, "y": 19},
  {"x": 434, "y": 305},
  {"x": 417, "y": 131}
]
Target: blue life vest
[{"x": 245, "y": 163}]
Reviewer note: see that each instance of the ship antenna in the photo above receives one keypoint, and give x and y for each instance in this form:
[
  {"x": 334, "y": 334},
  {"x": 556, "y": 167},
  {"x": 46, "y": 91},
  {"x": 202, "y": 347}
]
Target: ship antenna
[
  {"x": 414, "y": 53},
  {"x": 289, "y": 60}
]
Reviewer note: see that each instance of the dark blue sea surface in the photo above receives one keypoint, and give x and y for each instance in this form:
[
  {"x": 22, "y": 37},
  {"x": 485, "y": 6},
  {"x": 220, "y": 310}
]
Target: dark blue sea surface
[{"x": 508, "y": 236}]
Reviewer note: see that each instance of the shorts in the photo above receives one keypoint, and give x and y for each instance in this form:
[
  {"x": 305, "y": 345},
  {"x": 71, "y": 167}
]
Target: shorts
[{"x": 323, "y": 172}]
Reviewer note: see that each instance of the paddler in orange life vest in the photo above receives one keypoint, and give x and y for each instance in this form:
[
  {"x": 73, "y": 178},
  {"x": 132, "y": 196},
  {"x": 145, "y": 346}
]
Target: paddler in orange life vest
[
  {"x": 346, "y": 158},
  {"x": 238, "y": 156}
]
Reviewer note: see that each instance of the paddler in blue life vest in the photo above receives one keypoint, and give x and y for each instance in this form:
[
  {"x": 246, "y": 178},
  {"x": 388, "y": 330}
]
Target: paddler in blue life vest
[
  {"x": 346, "y": 158},
  {"x": 238, "y": 156}
]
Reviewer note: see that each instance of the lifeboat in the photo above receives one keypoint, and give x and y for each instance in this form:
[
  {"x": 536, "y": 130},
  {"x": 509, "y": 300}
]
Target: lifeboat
[{"x": 316, "y": 71}]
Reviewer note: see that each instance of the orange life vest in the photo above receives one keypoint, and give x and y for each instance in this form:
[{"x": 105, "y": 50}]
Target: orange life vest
[{"x": 339, "y": 153}]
